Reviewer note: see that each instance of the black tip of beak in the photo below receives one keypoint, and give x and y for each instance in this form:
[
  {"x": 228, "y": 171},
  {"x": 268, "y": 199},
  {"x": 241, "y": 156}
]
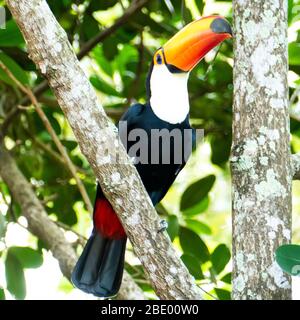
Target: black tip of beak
[{"x": 220, "y": 25}]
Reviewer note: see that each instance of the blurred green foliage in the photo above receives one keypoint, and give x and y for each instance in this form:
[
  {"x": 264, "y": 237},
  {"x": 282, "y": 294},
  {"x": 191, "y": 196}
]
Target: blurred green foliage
[{"x": 118, "y": 68}]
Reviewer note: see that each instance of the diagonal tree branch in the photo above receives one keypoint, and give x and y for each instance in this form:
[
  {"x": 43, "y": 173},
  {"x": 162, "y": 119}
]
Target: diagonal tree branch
[
  {"x": 45, "y": 229},
  {"x": 53, "y": 154},
  {"x": 98, "y": 139},
  {"x": 53, "y": 135},
  {"x": 132, "y": 9},
  {"x": 38, "y": 221}
]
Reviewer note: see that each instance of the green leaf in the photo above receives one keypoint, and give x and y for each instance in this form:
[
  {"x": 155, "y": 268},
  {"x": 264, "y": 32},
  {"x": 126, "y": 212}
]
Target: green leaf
[
  {"x": 54, "y": 122},
  {"x": 15, "y": 276},
  {"x": 11, "y": 35},
  {"x": 69, "y": 144},
  {"x": 196, "y": 192},
  {"x": 294, "y": 53},
  {"x": 220, "y": 257},
  {"x": 102, "y": 62},
  {"x": 110, "y": 47},
  {"x": 223, "y": 294},
  {"x": 173, "y": 227},
  {"x": 293, "y": 11},
  {"x": 220, "y": 67},
  {"x": 193, "y": 266},
  {"x": 187, "y": 15},
  {"x": 14, "y": 68},
  {"x": 67, "y": 3},
  {"x": 220, "y": 149},
  {"x": 89, "y": 26},
  {"x": 136, "y": 271},
  {"x": 200, "y": 5},
  {"x": 288, "y": 258},
  {"x": 146, "y": 287},
  {"x": 227, "y": 278},
  {"x": 128, "y": 54},
  {"x": 28, "y": 257},
  {"x": 67, "y": 194},
  {"x": 2, "y": 294},
  {"x": 42, "y": 245},
  {"x": 192, "y": 244},
  {"x": 198, "y": 227},
  {"x": 31, "y": 164},
  {"x": 202, "y": 206},
  {"x": 103, "y": 86}
]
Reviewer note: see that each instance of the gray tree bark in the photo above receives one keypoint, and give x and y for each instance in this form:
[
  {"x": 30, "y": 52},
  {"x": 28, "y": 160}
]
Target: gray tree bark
[
  {"x": 260, "y": 161},
  {"x": 45, "y": 229},
  {"x": 49, "y": 48}
]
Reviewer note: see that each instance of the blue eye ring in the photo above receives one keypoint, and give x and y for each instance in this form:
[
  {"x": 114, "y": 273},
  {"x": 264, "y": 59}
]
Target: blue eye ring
[{"x": 158, "y": 59}]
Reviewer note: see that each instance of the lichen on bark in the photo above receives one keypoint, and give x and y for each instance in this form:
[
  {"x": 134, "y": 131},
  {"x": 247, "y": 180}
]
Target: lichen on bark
[{"x": 260, "y": 160}]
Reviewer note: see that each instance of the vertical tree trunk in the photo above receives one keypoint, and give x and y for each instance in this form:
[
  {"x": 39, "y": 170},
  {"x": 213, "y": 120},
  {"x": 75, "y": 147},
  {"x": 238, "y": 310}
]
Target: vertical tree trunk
[{"x": 260, "y": 162}]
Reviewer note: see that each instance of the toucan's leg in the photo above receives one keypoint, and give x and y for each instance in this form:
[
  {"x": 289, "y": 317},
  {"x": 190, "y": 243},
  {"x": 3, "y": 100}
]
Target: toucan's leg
[{"x": 163, "y": 226}]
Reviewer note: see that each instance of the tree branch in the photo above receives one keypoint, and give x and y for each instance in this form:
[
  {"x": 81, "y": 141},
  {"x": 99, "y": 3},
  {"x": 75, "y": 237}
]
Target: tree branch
[
  {"x": 53, "y": 135},
  {"x": 88, "y": 46},
  {"x": 53, "y": 154},
  {"x": 129, "y": 289},
  {"x": 114, "y": 113},
  {"x": 38, "y": 221},
  {"x": 45, "y": 229},
  {"x": 98, "y": 139}
]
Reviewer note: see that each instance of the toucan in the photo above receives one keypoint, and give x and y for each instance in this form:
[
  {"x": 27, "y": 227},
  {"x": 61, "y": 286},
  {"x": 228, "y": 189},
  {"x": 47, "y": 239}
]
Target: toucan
[{"x": 100, "y": 267}]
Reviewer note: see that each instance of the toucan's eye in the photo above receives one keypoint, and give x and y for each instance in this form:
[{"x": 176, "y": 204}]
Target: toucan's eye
[{"x": 158, "y": 59}]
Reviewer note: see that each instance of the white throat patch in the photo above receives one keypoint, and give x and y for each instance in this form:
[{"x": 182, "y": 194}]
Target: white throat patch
[{"x": 169, "y": 94}]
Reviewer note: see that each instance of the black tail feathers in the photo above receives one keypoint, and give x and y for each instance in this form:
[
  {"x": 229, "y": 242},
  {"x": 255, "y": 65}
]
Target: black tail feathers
[{"x": 99, "y": 269}]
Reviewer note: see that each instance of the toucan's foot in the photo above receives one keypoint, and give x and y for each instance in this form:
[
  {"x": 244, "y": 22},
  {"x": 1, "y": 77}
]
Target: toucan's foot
[{"x": 163, "y": 225}]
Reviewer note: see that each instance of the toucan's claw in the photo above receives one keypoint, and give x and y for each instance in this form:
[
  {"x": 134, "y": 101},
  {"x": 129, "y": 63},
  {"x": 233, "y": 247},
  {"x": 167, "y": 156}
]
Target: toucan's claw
[{"x": 163, "y": 226}]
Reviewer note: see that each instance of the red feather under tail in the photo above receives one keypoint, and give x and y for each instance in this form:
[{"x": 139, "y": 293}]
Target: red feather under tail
[{"x": 106, "y": 221}]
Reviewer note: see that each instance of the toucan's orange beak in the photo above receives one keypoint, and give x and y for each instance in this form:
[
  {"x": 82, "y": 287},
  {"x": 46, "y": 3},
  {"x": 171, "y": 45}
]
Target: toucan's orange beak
[{"x": 183, "y": 51}]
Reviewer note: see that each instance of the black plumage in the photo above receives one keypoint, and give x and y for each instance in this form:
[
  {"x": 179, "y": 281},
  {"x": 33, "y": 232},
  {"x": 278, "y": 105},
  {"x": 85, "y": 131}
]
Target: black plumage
[{"x": 158, "y": 177}]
